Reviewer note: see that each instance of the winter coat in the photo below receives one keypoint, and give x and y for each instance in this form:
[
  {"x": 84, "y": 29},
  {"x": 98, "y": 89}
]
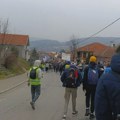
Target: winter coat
[
  {"x": 85, "y": 76},
  {"x": 100, "y": 69},
  {"x": 65, "y": 75},
  {"x": 107, "y": 98},
  {"x": 107, "y": 69}
]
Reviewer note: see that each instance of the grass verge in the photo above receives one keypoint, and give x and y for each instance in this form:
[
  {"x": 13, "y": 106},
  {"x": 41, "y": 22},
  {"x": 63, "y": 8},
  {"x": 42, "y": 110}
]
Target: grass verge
[{"x": 21, "y": 66}]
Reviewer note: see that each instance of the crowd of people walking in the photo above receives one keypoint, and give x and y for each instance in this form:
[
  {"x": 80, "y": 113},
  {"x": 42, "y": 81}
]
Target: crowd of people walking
[{"x": 100, "y": 83}]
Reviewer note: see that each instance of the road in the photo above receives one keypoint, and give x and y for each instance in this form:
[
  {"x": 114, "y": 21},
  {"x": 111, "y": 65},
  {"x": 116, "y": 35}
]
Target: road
[{"x": 15, "y": 104}]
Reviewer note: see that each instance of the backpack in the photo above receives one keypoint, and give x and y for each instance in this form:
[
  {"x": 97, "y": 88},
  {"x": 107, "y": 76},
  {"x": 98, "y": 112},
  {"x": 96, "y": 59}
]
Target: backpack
[
  {"x": 92, "y": 76},
  {"x": 33, "y": 73},
  {"x": 70, "y": 79}
]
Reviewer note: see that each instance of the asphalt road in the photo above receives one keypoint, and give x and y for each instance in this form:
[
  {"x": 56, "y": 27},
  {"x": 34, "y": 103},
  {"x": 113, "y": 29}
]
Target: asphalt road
[{"x": 15, "y": 104}]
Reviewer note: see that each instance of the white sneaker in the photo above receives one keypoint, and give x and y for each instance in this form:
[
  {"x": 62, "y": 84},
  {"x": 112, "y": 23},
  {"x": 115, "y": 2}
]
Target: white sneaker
[
  {"x": 75, "y": 112},
  {"x": 32, "y": 105},
  {"x": 64, "y": 117}
]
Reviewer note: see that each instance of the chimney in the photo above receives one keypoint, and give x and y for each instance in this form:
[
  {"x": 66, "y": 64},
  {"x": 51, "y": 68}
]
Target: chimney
[{"x": 113, "y": 45}]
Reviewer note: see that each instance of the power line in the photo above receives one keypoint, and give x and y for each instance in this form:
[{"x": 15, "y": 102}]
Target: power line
[{"x": 100, "y": 30}]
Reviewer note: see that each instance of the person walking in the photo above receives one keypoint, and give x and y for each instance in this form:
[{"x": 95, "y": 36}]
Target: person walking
[
  {"x": 47, "y": 67},
  {"x": 100, "y": 69},
  {"x": 35, "y": 75},
  {"x": 107, "y": 98},
  {"x": 71, "y": 79},
  {"x": 90, "y": 79},
  {"x": 107, "y": 68}
]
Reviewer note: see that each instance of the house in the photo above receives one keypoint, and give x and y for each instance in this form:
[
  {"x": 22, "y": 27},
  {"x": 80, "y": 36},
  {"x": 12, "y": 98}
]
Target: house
[
  {"x": 20, "y": 42},
  {"x": 101, "y": 51}
]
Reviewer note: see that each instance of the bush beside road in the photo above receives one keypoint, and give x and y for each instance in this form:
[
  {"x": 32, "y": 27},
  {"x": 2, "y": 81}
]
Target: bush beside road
[{"x": 21, "y": 67}]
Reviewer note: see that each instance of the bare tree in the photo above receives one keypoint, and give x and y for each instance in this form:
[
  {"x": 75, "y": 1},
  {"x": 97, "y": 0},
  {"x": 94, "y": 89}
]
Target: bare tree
[
  {"x": 73, "y": 46},
  {"x": 3, "y": 32},
  {"x": 4, "y": 29},
  {"x": 0, "y": 26}
]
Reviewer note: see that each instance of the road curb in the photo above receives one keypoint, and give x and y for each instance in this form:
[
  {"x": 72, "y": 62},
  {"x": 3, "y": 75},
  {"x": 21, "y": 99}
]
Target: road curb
[{"x": 1, "y": 92}]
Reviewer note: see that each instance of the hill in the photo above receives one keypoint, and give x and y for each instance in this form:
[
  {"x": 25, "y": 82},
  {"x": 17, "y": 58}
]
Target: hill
[
  {"x": 54, "y": 45},
  {"x": 47, "y": 45}
]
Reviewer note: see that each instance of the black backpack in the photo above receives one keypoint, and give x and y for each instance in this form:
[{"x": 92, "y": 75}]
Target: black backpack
[
  {"x": 33, "y": 73},
  {"x": 70, "y": 79}
]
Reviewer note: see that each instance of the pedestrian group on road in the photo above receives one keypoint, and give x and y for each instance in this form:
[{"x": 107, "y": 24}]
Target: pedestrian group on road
[{"x": 100, "y": 84}]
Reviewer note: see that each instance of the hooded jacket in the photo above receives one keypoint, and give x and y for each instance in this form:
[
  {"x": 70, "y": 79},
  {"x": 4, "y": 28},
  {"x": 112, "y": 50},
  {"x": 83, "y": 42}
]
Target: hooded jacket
[
  {"x": 85, "y": 76},
  {"x": 38, "y": 71},
  {"x": 107, "y": 98}
]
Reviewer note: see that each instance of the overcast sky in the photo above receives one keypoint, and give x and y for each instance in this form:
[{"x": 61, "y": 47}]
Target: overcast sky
[{"x": 61, "y": 19}]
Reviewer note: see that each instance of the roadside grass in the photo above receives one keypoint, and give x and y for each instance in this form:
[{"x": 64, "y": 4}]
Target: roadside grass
[
  {"x": 5, "y": 73},
  {"x": 20, "y": 67}
]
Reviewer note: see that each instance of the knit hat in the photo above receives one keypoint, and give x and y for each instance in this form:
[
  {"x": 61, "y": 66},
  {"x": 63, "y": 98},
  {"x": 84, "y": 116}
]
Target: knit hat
[
  {"x": 67, "y": 66},
  {"x": 92, "y": 59}
]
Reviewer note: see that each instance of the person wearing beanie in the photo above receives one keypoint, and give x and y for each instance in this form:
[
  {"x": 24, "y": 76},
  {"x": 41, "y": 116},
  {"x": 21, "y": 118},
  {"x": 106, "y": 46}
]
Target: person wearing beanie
[
  {"x": 70, "y": 74},
  {"x": 67, "y": 66},
  {"x": 90, "y": 79},
  {"x": 92, "y": 59}
]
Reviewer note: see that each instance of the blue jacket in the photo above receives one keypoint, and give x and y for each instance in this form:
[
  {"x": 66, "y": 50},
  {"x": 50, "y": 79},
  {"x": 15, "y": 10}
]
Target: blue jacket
[
  {"x": 85, "y": 76},
  {"x": 65, "y": 75},
  {"x": 107, "y": 69},
  {"x": 107, "y": 98}
]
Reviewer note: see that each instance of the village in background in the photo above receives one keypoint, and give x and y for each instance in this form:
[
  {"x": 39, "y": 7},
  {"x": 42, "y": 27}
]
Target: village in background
[
  {"x": 14, "y": 46},
  {"x": 20, "y": 46}
]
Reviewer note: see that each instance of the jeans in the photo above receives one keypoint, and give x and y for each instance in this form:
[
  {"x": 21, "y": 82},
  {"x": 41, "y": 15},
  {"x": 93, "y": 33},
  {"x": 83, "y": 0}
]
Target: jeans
[{"x": 35, "y": 92}]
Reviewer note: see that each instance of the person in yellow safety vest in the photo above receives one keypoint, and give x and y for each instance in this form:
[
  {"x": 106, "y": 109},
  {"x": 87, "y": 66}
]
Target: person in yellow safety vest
[
  {"x": 42, "y": 66},
  {"x": 34, "y": 79}
]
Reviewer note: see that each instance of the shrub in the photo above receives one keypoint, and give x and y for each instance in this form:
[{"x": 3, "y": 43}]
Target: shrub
[{"x": 10, "y": 61}]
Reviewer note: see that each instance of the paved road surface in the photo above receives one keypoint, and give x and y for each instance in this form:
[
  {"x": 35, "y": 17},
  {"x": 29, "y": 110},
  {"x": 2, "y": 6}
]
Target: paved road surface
[{"x": 14, "y": 104}]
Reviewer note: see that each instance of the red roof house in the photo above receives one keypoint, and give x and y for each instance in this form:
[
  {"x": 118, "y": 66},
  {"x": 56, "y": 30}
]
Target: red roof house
[
  {"x": 21, "y": 42},
  {"x": 101, "y": 51}
]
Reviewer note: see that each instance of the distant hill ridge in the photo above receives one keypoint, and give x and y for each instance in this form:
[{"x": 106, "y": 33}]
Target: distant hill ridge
[{"x": 54, "y": 45}]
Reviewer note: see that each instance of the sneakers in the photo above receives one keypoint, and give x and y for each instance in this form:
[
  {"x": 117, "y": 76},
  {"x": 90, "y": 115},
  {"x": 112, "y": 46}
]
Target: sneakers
[
  {"x": 64, "y": 117},
  {"x": 87, "y": 112},
  {"x": 75, "y": 112},
  {"x": 32, "y": 105},
  {"x": 92, "y": 116}
]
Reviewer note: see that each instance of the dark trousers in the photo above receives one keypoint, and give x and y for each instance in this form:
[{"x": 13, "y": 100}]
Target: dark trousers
[
  {"x": 35, "y": 92},
  {"x": 90, "y": 97},
  {"x": 46, "y": 69}
]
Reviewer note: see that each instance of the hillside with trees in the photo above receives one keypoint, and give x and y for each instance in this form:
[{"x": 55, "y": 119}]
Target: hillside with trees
[{"x": 56, "y": 46}]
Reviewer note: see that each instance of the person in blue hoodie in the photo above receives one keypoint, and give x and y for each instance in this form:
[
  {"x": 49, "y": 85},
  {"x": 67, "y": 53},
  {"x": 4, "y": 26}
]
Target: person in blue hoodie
[
  {"x": 107, "y": 98},
  {"x": 108, "y": 68}
]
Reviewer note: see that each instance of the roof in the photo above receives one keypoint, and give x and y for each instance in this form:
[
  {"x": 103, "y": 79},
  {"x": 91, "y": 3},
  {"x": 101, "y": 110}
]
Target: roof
[
  {"x": 14, "y": 39},
  {"x": 98, "y": 49}
]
